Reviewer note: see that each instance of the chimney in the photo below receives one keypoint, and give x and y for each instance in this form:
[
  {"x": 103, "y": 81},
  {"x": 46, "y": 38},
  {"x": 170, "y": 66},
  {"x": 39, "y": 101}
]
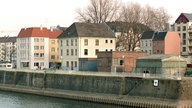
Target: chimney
[{"x": 41, "y": 28}]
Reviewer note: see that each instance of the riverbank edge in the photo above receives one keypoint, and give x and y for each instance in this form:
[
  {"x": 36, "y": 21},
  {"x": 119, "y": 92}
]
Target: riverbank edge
[{"x": 121, "y": 100}]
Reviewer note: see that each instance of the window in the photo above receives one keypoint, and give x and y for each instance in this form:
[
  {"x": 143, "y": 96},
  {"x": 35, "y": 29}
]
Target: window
[
  {"x": 61, "y": 52},
  {"x": 184, "y": 42},
  {"x": 111, "y": 41},
  {"x": 85, "y": 51},
  {"x": 86, "y": 42},
  {"x": 42, "y": 47},
  {"x": 36, "y": 64},
  {"x": 36, "y": 47},
  {"x": 41, "y": 54},
  {"x": 96, "y": 51},
  {"x": 67, "y": 53},
  {"x": 67, "y": 63},
  {"x": 67, "y": 43},
  {"x": 52, "y": 57},
  {"x": 52, "y": 49},
  {"x": 115, "y": 61},
  {"x": 75, "y": 42},
  {"x": 97, "y": 42},
  {"x": 145, "y": 43},
  {"x": 109, "y": 61},
  {"x": 157, "y": 51},
  {"x": 41, "y": 63},
  {"x": 106, "y": 41},
  {"x": 178, "y": 28},
  {"x": 184, "y": 49},
  {"x": 184, "y": 35},
  {"x": 42, "y": 39},
  {"x": 75, "y": 63},
  {"x": 36, "y": 39},
  {"x": 52, "y": 41},
  {"x": 75, "y": 51},
  {"x": 150, "y": 42},
  {"x": 71, "y": 42},
  {"x": 121, "y": 62},
  {"x": 61, "y": 43},
  {"x": 36, "y": 54},
  {"x": 184, "y": 28},
  {"x": 72, "y": 52}
]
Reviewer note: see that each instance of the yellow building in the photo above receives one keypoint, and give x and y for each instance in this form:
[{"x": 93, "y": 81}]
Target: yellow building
[{"x": 54, "y": 59}]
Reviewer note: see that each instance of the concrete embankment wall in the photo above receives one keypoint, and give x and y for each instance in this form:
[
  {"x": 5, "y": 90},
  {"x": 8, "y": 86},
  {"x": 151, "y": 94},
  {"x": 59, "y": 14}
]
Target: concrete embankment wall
[{"x": 122, "y": 86}]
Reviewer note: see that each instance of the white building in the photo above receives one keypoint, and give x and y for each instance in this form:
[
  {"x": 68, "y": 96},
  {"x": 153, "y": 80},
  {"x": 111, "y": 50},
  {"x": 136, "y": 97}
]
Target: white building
[
  {"x": 183, "y": 25},
  {"x": 79, "y": 44},
  {"x": 8, "y": 49},
  {"x": 146, "y": 42},
  {"x": 33, "y": 48}
]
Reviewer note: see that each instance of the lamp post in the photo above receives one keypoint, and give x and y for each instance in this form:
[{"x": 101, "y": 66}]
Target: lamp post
[{"x": 179, "y": 77}]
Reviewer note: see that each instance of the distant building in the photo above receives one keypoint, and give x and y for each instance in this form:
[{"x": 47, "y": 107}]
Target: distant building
[
  {"x": 183, "y": 25},
  {"x": 166, "y": 43},
  {"x": 160, "y": 42},
  {"x": 33, "y": 47},
  {"x": 8, "y": 51},
  {"x": 54, "y": 59},
  {"x": 79, "y": 44},
  {"x": 115, "y": 61},
  {"x": 146, "y": 41},
  {"x": 161, "y": 65}
]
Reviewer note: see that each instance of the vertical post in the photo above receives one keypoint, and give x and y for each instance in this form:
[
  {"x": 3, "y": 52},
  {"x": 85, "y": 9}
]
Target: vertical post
[
  {"x": 123, "y": 63},
  {"x": 179, "y": 76}
]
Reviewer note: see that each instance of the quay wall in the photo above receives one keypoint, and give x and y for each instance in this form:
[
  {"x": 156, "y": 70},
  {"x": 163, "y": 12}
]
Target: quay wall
[{"x": 123, "y": 86}]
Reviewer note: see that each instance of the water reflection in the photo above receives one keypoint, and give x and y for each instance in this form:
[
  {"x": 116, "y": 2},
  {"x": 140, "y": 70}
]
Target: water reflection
[{"x": 19, "y": 100}]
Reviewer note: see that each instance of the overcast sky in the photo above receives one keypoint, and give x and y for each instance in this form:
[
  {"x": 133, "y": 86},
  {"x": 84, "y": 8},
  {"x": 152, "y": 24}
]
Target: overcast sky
[{"x": 17, "y": 14}]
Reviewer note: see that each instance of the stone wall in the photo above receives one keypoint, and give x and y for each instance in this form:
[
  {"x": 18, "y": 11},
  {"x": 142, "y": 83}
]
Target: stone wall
[{"x": 120, "y": 85}]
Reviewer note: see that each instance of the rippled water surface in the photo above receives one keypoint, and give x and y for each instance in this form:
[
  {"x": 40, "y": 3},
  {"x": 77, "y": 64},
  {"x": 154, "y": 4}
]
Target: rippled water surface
[{"x": 19, "y": 100}]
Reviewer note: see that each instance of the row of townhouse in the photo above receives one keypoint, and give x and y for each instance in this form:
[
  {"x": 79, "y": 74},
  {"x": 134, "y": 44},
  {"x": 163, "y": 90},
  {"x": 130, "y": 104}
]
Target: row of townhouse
[
  {"x": 37, "y": 47},
  {"x": 160, "y": 42},
  {"x": 72, "y": 49}
]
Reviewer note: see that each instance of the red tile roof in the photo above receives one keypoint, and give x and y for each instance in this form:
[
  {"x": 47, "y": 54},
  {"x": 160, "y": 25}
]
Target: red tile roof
[
  {"x": 54, "y": 33},
  {"x": 38, "y": 32}
]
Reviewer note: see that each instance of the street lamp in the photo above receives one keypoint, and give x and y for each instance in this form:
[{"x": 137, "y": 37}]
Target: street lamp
[{"x": 179, "y": 77}]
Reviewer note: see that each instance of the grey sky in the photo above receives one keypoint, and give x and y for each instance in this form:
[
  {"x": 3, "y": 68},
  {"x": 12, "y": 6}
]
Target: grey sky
[{"x": 16, "y": 14}]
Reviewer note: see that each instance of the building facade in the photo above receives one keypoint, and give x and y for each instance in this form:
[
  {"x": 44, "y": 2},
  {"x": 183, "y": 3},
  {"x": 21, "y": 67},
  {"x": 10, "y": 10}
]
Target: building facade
[
  {"x": 79, "y": 44},
  {"x": 54, "y": 59},
  {"x": 183, "y": 25},
  {"x": 160, "y": 42},
  {"x": 146, "y": 42},
  {"x": 118, "y": 61},
  {"x": 33, "y": 48},
  {"x": 8, "y": 52},
  {"x": 166, "y": 43}
]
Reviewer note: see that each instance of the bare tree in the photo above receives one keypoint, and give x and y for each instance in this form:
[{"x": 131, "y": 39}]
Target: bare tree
[
  {"x": 99, "y": 11},
  {"x": 155, "y": 18}
]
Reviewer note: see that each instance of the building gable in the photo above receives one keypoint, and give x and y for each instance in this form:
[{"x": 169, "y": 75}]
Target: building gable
[{"x": 184, "y": 18}]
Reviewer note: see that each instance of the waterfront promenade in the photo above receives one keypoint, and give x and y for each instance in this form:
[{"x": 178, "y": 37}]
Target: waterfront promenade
[{"x": 127, "y": 99}]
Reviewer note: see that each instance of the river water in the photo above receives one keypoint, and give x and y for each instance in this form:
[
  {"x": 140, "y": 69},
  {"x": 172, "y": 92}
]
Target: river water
[{"x": 20, "y": 100}]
